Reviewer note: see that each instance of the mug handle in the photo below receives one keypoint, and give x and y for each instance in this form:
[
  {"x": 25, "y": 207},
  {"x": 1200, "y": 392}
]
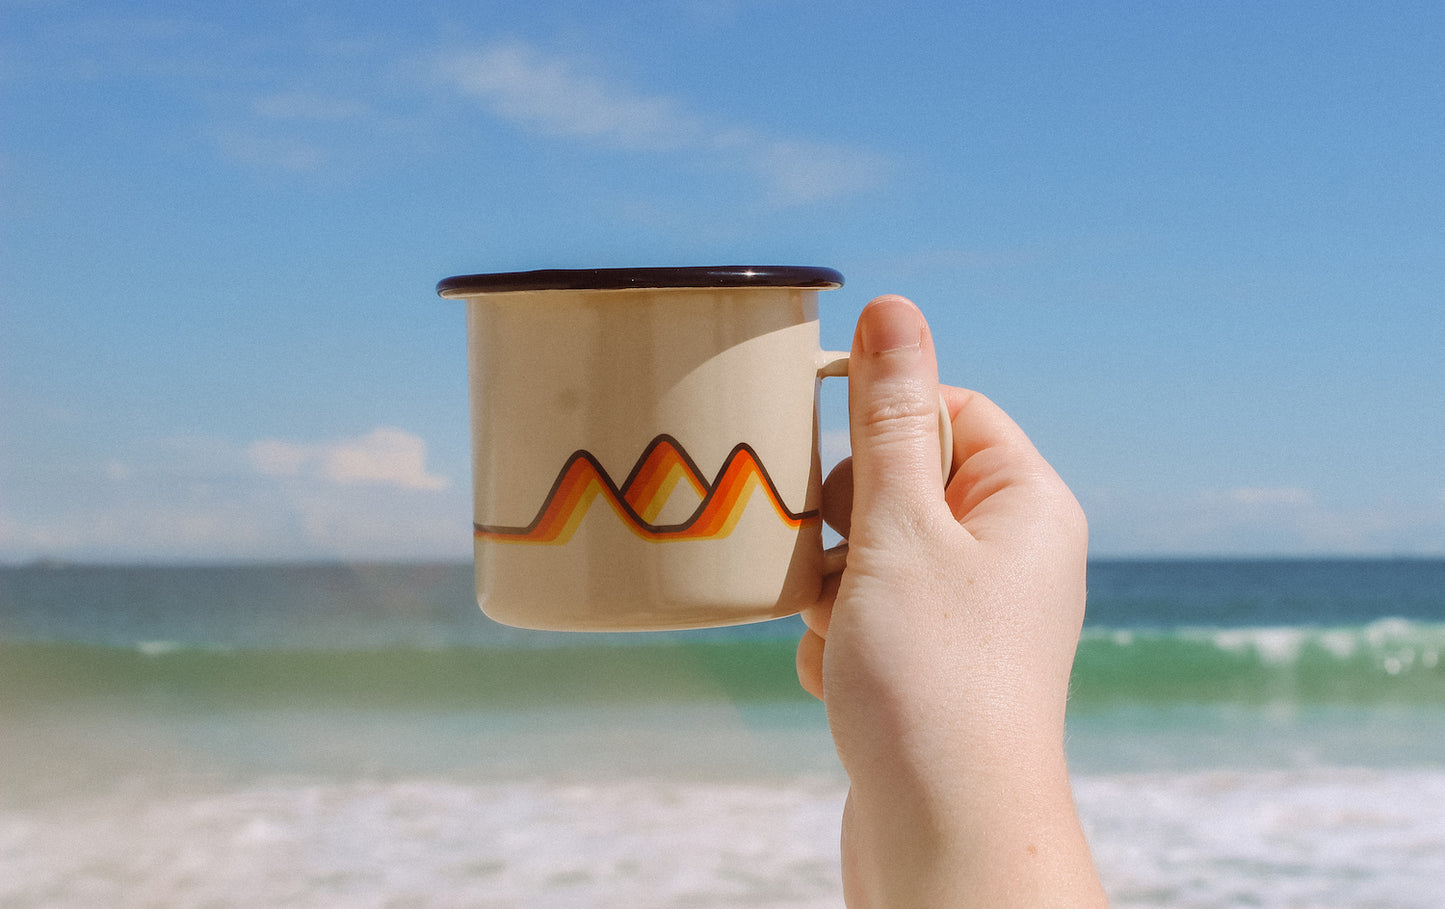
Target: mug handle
[{"x": 831, "y": 364}]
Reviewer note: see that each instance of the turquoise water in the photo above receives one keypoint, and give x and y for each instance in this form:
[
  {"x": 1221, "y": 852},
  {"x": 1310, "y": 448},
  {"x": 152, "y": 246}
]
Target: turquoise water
[
  {"x": 1339, "y": 632},
  {"x": 1242, "y": 733},
  {"x": 1387, "y": 661}
]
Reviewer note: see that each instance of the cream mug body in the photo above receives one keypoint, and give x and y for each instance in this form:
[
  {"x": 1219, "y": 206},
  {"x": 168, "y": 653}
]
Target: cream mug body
[{"x": 645, "y": 444}]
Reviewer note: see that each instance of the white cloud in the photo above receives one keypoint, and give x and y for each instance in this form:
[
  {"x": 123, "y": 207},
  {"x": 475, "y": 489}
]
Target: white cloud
[
  {"x": 385, "y": 456},
  {"x": 1273, "y": 496},
  {"x": 251, "y": 148},
  {"x": 369, "y": 496},
  {"x": 240, "y": 520},
  {"x": 117, "y": 471},
  {"x": 302, "y": 105},
  {"x": 803, "y": 172},
  {"x": 520, "y": 84},
  {"x": 275, "y": 458},
  {"x": 557, "y": 97},
  {"x": 1259, "y": 521}
]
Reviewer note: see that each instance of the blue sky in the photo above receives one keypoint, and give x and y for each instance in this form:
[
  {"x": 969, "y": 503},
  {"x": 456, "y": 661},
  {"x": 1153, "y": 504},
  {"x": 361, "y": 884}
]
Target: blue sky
[{"x": 1197, "y": 249}]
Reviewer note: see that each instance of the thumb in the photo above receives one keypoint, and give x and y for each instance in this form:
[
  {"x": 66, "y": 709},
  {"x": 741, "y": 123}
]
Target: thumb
[{"x": 893, "y": 416}]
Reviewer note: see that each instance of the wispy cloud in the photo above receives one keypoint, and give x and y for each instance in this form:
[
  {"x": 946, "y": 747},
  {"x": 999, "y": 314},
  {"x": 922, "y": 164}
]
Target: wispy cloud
[
  {"x": 558, "y": 97},
  {"x": 304, "y": 105},
  {"x": 369, "y": 496},
  {"x": 318, "y": 105},
  {"x": 1260, "y": 520},
  {"x": 1270, "y": 496},
  {"x": 269, "y": 151},
  {"x": 801, "y": 172},
  {"x": 385, "y": 456},
  {"x": 553, "y": 97}
]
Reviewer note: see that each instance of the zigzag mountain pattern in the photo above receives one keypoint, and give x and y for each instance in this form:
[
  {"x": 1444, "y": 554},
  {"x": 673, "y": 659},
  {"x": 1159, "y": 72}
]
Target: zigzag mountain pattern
[{"x": 640, "y": 499}]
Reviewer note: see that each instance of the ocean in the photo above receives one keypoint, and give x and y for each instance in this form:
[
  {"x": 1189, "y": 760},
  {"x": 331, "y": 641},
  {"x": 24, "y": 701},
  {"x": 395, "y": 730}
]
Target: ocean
[{"x": 1242, "y": 733}]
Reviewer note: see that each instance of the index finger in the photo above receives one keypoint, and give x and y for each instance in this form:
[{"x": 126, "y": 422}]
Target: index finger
[{"x": 980, "y": 424}]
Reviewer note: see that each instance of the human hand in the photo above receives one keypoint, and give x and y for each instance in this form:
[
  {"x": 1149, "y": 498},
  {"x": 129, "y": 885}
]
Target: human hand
[{"x": 943, "y": 649}]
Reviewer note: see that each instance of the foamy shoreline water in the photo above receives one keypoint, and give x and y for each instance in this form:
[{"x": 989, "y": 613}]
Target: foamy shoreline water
[
  {"x": 1241, "y": 734},
  {"x": 431, "y": 842},
  {"x": 1345, "y": 838},
  {"x": 678, "y": 806},
  {"x": 1325, "y": 838}
]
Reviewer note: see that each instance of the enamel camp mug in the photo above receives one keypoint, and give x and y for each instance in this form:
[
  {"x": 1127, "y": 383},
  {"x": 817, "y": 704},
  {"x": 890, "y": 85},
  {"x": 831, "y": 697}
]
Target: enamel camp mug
[{"x": 645, "y": 444}]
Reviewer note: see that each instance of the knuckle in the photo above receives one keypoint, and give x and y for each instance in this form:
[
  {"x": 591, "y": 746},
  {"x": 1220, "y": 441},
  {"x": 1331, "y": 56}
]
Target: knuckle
[{"x": 900, "y": 407}]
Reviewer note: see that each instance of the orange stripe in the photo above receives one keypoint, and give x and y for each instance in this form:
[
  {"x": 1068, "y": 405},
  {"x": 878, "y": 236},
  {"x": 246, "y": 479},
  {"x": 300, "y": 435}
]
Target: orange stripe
[{"x": 583, "y": 481}]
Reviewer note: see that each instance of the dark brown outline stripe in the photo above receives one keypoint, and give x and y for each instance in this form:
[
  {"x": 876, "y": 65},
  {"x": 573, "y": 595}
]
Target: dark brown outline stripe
[{"x": 619, "y": 494}]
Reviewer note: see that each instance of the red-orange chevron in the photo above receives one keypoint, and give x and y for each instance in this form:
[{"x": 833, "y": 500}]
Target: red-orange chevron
[
  {"x": 662, "y": 466},
  {"x": 640, "y": 498}
]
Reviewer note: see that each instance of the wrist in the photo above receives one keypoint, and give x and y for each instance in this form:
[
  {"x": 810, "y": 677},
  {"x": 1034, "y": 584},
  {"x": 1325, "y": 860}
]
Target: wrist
[{"x": 1000, "y": 833}]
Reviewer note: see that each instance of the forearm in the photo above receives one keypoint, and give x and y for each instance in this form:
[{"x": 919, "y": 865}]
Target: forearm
[{"x": 1001, "y": 835}]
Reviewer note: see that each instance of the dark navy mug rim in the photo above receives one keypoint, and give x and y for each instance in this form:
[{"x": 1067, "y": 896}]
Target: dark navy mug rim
[{"x": 795, "y": 276}]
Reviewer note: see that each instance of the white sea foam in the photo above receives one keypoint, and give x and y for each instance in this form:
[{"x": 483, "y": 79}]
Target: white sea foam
[
  {"x": 1391, "y": 646},
  {"x": 429, "y": 842},
  {"x": 1340, "y": 643},
  {"x": 157, "y": 648},
  {"x": 1336, "y": 838},
  {"x": 1275, "y": 646},
  {"x": 1321, "y": 837}
]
